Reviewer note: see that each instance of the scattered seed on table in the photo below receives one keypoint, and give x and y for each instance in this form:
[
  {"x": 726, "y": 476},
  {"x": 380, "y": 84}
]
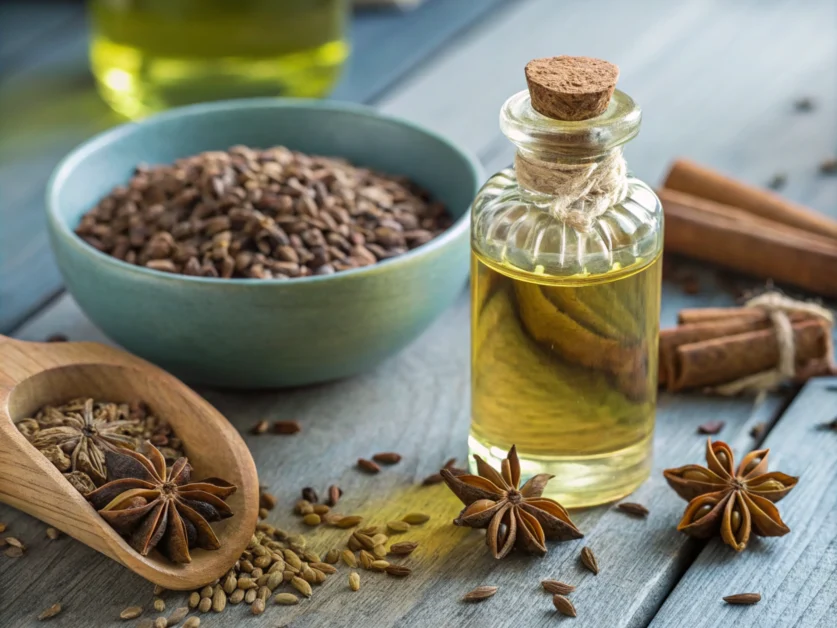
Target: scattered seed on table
[
  {"x": 286, "y": 427},
  {"x": 557, "y": 587},
  {"x": 367, "y": 465},
  {"x": 563, "y": 605},
  {"x": 354, "y": 581},
  {"x": 192, "y": 622},
  {"x": 286, "y": 599},
  {"x": 52, "y": 534},
  {"x": 631, "y": 508},
  {"x": 588, "y": 559},
  {"x": 310, "y": 495},
  {"x": 403, "y": 548},
  {"x": 479, "y": 594},
  {"x": 177, "y": 616},
  {"x": 416, "y": 518},
  {"x": 132, "y": 612},
  {"x": 387, "y": 457},
  {"x": 711, "y": 427},
  {"x": 743, "y": 598},
  {"x": 52, "y": 611}
]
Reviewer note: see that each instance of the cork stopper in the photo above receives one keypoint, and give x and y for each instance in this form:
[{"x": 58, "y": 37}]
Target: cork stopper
[{"x": 571, "y": 88}]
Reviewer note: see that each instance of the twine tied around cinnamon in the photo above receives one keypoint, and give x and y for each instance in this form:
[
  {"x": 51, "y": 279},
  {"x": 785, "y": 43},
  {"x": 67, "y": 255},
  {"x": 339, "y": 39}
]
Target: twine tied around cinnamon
[
  {"x": 778, "y": 306},
  {"x": 582, "y": 191}
]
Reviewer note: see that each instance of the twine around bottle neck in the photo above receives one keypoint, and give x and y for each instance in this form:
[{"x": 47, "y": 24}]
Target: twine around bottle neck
[{"x": 581, "y": 191}]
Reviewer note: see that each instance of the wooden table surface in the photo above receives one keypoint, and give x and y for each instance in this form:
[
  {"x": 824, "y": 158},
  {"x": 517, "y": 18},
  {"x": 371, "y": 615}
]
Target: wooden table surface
[{"x": 717, "y": 80}]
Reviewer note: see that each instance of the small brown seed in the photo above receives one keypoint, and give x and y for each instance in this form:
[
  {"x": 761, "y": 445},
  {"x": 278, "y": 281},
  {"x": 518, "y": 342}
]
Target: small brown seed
[
  {"x": 257, "y": 607},
  {"x": 743, "y": 598},
  {"x": 177, "y": 615},
  {"x": 159, "y": 605},
  {"x": 379, "y": 551},
  {"x": 205, "y": 604},
  {"x": 332, "y": 556},
  {"x": 52, "y": 611},
  {"x": 286, "y": 599},
  {"x": 563, "y": 605},
  {"x": 260, "y": 428},
  {"x": 250, "y": 596},
  {"x": 353, "y": 544},
  {"x": 399, "y": 571},
  {"x": 132, "y": 612},
  {"x": 236, "y": 596},
  {"x": 263, "y": 594},
  {"x": 588, "y": 559},
  {"x": 194, "y": 599},
  {"x": 403, "y": 548},
  {"x": 367, "y": 465},
  {"x": 52, "y": 533},
  {"x": 219, "y": 600},
  {"x": 364, "y": 540},
  {"x": 310, "y": 495},
  {"x": 638, "y": 510},
  {"x": 416, "y": 518},
  {"x": 334, "y": 495},
  {"x": 263, "y": 513},
  {"x": 312, "y": 519},
  {"x": 158, "y": 590},
  {"x": 387, "y": 457},
  {"x": 321, "y": 509},
  {"x": 302, "y": 586},
  {"x": 354, "y": 581},
  {"x": 557, "y": 587},
  {"x": 207, "y": 591},
  {"x": 192, "y": 622},
  {"x": 13, "y": 552},
  {"x": 161, "y": 622},
  {"x": 349, "y": 558},
  {"x": 398, "y": 526},
  {"x": 324, "y": 567},
  {"x": 292, "y": 559},
  {"x": 479, "y": 594},
  {"x": 286, "y": 427},
  {"x": 145, "y": 623},
  {"x": 366, "y": 559},
  {"x": 349, "y": 521},
  {"x": 14, "y": 542},
  {"x": 379, "y": 565},
  {"x": 303, "y": 507}
]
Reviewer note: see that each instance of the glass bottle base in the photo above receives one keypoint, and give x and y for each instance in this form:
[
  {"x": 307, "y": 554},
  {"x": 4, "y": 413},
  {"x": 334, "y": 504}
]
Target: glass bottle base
[{"x": 580, "y": 481}]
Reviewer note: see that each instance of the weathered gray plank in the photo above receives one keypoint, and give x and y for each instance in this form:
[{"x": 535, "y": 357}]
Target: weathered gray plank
[{"x": 795, "y": 574}]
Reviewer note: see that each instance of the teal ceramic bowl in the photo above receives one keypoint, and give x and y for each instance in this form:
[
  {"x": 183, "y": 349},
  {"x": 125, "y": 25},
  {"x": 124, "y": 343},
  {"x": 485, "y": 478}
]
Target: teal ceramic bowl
[{"x": 248, "y": 333}]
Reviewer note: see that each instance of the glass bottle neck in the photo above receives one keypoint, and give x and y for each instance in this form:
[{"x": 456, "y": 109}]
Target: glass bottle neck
[{"x": 573, "y": 142}]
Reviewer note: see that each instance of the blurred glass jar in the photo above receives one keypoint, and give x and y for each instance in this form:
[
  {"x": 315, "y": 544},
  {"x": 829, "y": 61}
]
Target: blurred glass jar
[{"x": 149, "y": 55}]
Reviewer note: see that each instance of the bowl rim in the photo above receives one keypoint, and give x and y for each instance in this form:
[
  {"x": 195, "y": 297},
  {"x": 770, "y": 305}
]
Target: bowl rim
[{"x": 62, "y": 172}]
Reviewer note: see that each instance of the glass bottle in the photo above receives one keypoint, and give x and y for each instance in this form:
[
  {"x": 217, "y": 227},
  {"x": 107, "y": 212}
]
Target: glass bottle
[
  {"x": 565, "y": 313},
  {"x": 149, "y": 55}
]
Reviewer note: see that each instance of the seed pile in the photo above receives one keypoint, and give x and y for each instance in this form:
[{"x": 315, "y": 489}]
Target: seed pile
[{"x": 262, "y": 214}]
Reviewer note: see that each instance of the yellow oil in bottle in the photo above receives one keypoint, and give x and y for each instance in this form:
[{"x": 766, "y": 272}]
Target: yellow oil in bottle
[
  {"x": 565, "y": 369},
  {"x": 149, "y": 55}
]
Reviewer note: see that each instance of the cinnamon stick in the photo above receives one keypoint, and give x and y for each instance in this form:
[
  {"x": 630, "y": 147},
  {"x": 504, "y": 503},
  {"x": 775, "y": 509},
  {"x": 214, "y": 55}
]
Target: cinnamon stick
[
  {"x": 743, "y": 241},
  {"x": 721, "y": 360},
  {"x": 691, "y": 178},
  {"x": 739, "y": 321}
]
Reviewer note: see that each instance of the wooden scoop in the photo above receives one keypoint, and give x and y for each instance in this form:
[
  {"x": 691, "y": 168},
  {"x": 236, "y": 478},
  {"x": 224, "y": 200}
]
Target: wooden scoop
[{"x": 35, "y": 374}]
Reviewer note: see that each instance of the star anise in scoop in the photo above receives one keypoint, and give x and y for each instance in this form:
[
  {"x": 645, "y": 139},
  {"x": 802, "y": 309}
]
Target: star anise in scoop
[
  {"x": 154, "y": 506},
  {"x": 732, "y": 503},
  {"x": 512, "y": 516},
  {"x": 85, "y": 437}
]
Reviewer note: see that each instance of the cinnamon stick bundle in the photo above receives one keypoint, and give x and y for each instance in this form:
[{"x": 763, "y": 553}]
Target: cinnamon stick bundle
[
  {"x": 716, "y": 219},
  {"x": 716, "y": 346}
]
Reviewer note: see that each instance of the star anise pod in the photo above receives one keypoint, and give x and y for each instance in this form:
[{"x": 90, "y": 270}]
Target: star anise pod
[
  {"x": 733, "y": 503},
  {"x": 85, "y": 438},
  {"x": 513, "y": 516},
  {"x": 154, "y": 506}
]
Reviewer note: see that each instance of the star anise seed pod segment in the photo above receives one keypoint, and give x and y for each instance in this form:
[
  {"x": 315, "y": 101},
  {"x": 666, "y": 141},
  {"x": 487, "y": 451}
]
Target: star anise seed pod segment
[
  {"x": 512, "y": 516},
  {"x": 732, "y": 503},
  {"x": 85, "y": 439},
  {"x": 158, "y": 507}
]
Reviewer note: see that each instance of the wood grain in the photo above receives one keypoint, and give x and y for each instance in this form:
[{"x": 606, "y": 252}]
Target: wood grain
[
  {"x": 673, "y": 58},
  {"x": 795, "y": 574},
  {"x": 35, "y": 374}
]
